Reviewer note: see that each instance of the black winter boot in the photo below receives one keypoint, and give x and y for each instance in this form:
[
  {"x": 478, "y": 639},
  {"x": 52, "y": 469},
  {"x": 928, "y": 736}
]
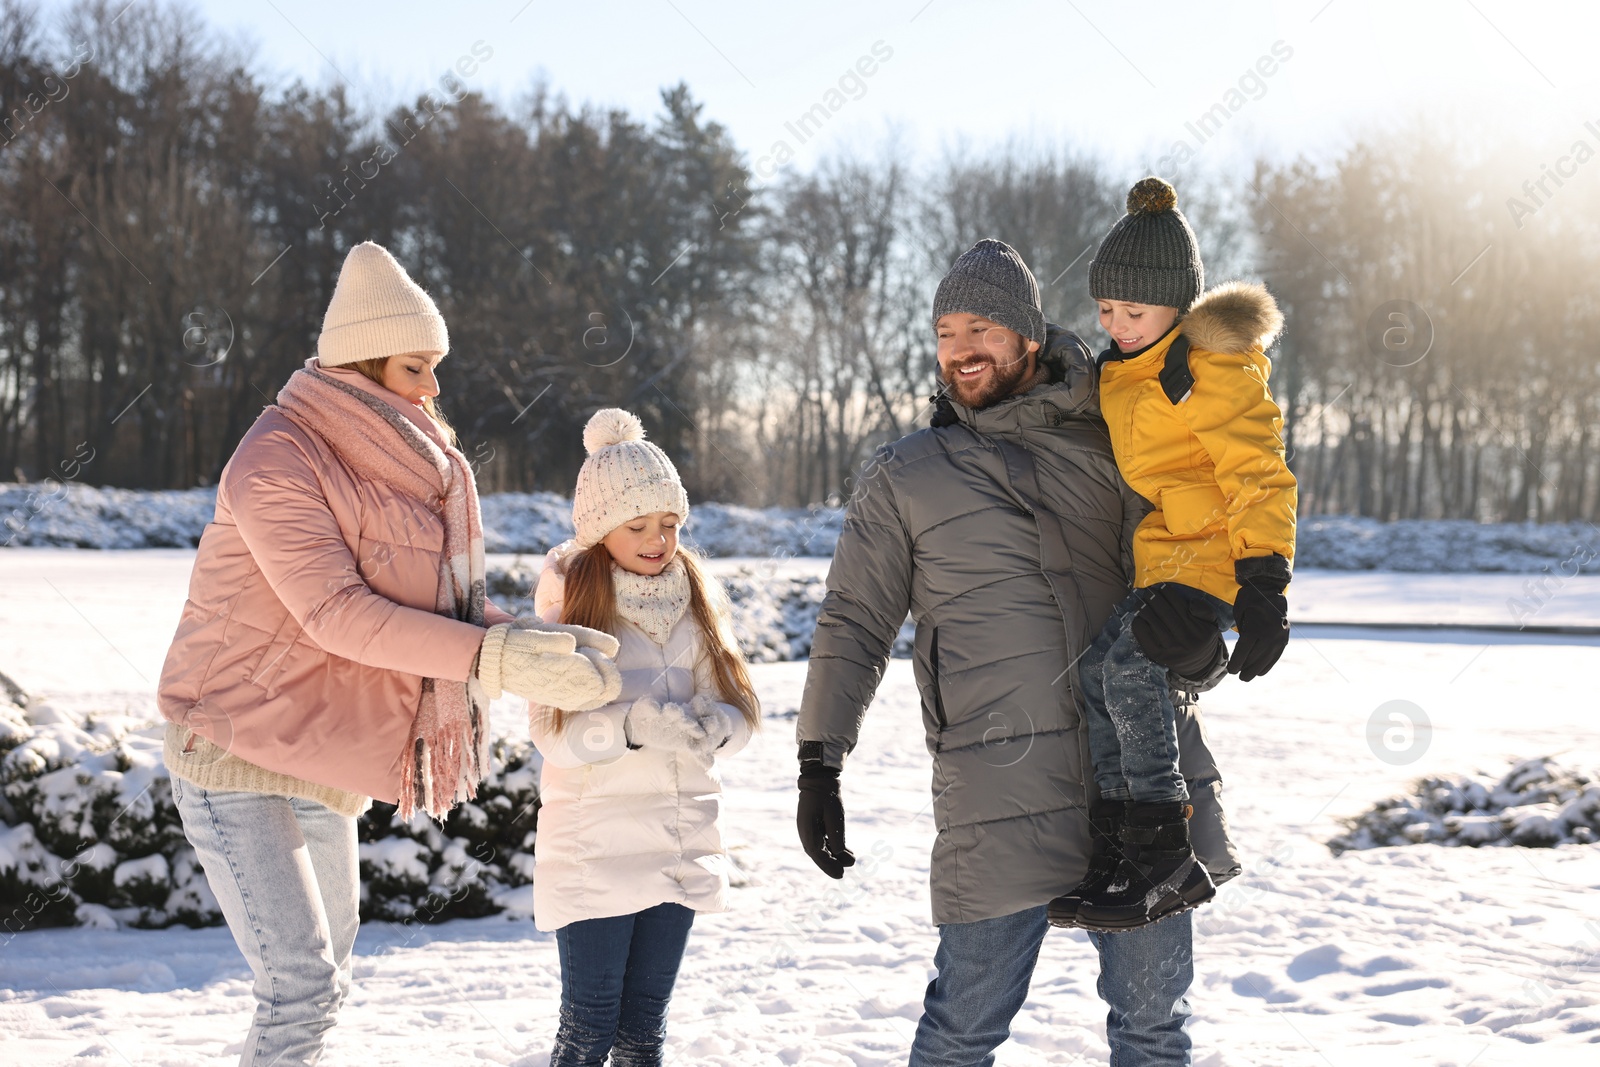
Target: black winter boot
[
  {"x": 1105, "y": 823},
  {"x": 1159, "y": 874}
]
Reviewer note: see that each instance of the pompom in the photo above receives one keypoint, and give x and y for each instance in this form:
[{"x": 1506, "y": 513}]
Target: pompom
[
  {"x": 1150, "y": 196},
  {"x": 611, "y": 426}
]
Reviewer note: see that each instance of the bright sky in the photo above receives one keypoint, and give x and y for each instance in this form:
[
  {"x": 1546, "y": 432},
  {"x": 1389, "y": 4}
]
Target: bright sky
[{"x": 1119, "y": 79}]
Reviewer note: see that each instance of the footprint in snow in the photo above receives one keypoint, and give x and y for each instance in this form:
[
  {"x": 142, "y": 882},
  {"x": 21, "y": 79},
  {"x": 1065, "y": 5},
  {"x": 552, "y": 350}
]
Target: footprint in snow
[
  {"x": 1258, "y": 985},
  {"x": 1316, "y": 962},
  {"x": 1408, "y": 986}
]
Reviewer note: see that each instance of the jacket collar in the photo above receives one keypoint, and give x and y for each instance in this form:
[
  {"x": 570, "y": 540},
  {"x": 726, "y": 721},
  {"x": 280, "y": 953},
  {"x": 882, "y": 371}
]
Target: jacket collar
[
  {"x": 1072, "y": 391},
  {"x": 1049, "y": 404},
  {"x": 1113, "y": 354}
]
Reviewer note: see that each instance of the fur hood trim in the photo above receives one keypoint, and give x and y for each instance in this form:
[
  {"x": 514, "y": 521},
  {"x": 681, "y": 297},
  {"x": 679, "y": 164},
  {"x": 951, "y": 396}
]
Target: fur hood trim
[{"x": 1233, "y": 319}]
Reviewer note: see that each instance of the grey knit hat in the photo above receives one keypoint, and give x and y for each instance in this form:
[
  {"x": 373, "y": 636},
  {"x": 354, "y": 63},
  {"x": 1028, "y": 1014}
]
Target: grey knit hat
[
  {"x": 991, "y": 280},
  {"x": 1150, "y": 255}
]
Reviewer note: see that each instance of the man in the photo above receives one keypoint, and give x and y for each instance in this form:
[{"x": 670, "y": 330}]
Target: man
[{"x": 1006, "y": 536}]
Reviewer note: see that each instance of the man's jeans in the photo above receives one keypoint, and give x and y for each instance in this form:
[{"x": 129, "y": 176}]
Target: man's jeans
[
  {"x": 616, "y": 979},
  {"x": 984, "y": 970},
  {"x": 285, "y": 874},
  {"x": 1127, "y": 699}
]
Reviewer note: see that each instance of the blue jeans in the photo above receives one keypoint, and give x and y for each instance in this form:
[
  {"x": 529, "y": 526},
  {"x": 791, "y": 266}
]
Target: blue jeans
[
  {"x": 285, "y": 875},
  {"x": 1133, "y": 735},
  {"x": 616, "y": 979},
  {"x": 984, "y": 970}
]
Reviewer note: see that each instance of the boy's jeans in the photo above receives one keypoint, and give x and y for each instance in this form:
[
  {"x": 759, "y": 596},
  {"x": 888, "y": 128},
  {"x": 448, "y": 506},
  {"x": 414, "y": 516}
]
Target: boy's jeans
[
  {"x": 285, "y": 874},
  {"x": 984, "y": 970},
  {"x": 1127, "y": 699},
  {"x": 616, "y": 979}
]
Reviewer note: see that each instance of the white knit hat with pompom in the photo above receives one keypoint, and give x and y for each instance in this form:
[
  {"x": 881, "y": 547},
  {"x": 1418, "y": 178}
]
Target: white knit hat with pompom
[{"x": 624, "y": 477}]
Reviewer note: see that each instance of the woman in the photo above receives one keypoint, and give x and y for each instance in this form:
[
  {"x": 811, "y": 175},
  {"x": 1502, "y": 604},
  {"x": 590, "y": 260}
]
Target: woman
[{"x": 329, "y": 650}]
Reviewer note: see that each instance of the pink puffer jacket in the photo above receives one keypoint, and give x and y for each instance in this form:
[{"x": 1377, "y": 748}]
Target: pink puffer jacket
[{"x": 309, "y": 625}]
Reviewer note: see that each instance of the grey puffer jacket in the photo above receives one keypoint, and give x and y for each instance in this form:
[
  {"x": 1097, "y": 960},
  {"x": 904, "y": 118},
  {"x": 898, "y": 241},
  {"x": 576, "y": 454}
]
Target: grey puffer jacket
[{"x": 1007, "y": 537}]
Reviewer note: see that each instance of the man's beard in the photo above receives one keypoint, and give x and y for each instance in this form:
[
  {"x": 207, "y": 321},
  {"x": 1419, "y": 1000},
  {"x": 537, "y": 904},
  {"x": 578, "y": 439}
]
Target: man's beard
[{"x": 1001, "y": 383}]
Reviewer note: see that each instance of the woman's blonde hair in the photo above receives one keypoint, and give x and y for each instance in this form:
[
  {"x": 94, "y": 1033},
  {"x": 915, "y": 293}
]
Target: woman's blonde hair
[
  {"x": 373, "y": 368},
  {"x": 590, "y": 599}
]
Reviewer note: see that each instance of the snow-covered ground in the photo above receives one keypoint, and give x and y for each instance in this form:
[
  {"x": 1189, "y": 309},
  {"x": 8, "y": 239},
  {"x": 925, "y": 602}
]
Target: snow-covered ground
[{"x": 1406, "y": 956}]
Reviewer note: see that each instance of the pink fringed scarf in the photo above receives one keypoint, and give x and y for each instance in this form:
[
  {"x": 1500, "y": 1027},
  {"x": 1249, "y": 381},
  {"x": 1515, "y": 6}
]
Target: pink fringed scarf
[{"x": 449, "y": 743}]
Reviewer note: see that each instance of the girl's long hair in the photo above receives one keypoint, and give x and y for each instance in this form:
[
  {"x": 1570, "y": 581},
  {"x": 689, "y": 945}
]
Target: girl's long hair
[
  {"x": 590, "y": 600},
  {"x": 373, "y": 368}
]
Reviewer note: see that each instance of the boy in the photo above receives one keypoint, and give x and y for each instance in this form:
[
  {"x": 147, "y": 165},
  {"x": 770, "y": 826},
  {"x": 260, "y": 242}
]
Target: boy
[{"x": 1195, "y": 430}]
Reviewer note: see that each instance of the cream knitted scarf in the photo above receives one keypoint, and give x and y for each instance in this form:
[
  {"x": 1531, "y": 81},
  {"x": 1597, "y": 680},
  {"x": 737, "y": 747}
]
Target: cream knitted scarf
[
  {"x": 653, "y": 603},
  {"x": 449, "y": 741}
]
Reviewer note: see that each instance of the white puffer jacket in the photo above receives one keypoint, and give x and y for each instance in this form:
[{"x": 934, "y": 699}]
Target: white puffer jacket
[{"x": 620, "y": 829}]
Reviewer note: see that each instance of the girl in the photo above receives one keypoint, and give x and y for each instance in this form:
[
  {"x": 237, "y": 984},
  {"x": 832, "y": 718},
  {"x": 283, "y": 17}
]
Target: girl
[
  {"x": 1195, "y": 430},
  {"x": 628, "y": 846},
  {"x": 336, "y": 646}
]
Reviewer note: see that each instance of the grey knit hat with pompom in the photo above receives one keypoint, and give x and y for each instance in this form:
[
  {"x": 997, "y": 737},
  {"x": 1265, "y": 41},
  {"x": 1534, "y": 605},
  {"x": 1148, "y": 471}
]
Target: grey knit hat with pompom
[{"x": 1150, "y": 256}]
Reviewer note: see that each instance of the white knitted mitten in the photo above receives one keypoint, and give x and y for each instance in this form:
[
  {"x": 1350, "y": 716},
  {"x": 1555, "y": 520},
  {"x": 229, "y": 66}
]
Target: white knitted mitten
[
  {"x": 664, "y": 726},
  {"x": 610, "y": 676},
  {"x": 545, "y": 668},
  {"x": 583, "y": 635},
  {"x": 714, "y": 718}
]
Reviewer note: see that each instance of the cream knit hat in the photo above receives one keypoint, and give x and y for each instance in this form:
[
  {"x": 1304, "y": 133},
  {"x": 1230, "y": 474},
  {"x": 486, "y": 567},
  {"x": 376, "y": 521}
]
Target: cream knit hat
[
  {"x": 376, "y": 311},
  {"x": 624, "y": 477}
]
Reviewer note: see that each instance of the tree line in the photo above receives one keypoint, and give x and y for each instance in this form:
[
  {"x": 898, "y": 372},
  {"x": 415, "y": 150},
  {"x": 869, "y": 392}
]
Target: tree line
[{"x": 171, "y": 229}]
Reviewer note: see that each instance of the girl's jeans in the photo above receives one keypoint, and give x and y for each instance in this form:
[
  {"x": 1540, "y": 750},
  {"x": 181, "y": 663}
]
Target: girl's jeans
[
  {"x": 285, "y": 874},
  {"x": 616, "y": 979},
  {"x": 1127, "y": 699}
]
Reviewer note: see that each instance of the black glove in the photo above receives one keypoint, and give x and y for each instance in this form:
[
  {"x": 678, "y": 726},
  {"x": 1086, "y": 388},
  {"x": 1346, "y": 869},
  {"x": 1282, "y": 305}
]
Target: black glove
[
  {"x": 1260, "y": 614},
  {"x": 820, "y": 818},
  {"x": 1179, "y": 632},
  {"x": 944, "y": 412}
]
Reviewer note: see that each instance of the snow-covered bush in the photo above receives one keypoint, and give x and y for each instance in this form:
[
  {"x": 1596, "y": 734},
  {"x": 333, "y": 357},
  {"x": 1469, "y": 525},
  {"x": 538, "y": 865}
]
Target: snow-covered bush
[
  {"x": 1455, "y": 546},
  {"x": 731, "y": 530},
  {"x": 1536, "y": 804},
  {"x": 537, "y": 522},
  {"x": 525, "y": 522},
  {"x": 52, "y": 513},
  {"x": 91, "y": 832},
  {"x": 774, "y": 614},
  {"x": 83, "y": 516},
  {"x": 511, "y": 586},
  {"x": 423, "y": 872},
  {"x": 91, "y": 835}
]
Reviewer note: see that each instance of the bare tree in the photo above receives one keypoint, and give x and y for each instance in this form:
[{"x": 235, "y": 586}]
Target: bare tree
[{"x": 843, "y": 369}]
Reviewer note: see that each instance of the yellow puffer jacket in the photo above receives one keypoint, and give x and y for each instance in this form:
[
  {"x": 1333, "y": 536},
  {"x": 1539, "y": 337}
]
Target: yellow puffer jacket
[{"x": 1213, "y": 464}]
